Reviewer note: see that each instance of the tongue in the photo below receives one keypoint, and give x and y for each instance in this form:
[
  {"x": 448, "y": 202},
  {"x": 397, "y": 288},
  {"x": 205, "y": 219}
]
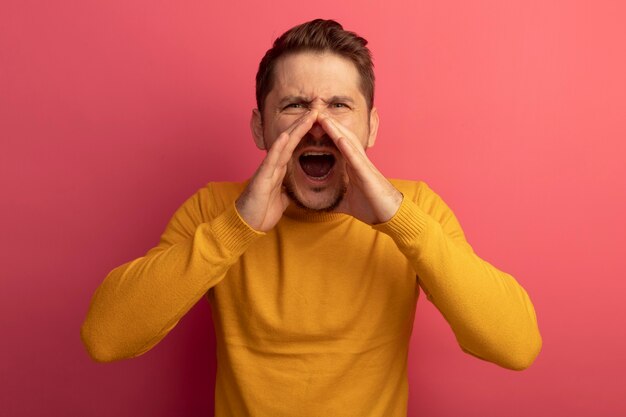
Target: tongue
[{"x": 317, "y": 165}]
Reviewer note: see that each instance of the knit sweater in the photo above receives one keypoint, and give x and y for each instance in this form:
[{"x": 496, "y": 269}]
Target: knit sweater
[{"x": 314, "y": 317}]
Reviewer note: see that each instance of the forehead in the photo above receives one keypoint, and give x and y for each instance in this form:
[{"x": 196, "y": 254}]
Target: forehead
[{"x": 315, "y": 74}]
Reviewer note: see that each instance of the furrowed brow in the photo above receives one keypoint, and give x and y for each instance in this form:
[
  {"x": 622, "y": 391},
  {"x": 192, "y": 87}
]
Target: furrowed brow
[
  {"x": 335, "y": 99},
  {"x": 293, "y": 99}
]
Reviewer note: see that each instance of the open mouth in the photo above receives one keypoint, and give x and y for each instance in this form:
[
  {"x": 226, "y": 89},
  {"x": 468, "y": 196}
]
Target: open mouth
[{"x": 317, "y": 165}]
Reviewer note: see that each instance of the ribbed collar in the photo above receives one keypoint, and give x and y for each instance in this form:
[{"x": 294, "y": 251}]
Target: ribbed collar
[{"x": 296, "y": 213}]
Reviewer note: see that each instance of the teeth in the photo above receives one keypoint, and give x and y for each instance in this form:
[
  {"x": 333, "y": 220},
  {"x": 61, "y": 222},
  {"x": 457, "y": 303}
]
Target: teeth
[{"x": 316, "y": 153}]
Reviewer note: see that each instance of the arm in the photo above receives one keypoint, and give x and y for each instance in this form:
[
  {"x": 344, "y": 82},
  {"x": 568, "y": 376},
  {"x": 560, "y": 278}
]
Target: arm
[
  {"x": 490, "y": 314},
  {"x": 140, "y": 301}
]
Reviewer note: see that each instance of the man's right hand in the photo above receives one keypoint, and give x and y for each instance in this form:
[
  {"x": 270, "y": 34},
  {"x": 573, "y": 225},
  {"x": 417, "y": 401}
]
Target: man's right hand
[{"x": 264, "y": 200}]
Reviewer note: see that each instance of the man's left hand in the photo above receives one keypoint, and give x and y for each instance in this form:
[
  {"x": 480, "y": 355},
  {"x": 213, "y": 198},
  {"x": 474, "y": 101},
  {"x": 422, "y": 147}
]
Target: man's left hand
[{"x": 370, "y": 197}]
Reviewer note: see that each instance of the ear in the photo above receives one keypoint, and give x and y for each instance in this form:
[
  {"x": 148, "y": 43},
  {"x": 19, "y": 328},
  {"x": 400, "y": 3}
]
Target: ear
[
  {"x": 256, "y": 126},
  {"x": 373, "y": 127}
]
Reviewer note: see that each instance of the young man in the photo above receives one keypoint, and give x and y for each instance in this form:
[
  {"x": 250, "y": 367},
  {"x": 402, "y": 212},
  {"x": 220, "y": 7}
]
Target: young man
[{"x": 313, "y": 267}]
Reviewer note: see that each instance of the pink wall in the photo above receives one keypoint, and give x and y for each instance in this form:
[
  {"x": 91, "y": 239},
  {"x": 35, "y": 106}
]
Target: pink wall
[{"x": 112, "y": 113}]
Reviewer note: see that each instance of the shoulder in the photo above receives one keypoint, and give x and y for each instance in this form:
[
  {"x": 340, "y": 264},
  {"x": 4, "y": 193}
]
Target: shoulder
[
  {"x": 225, "y": 191},
  {"x": 415, "y": 190},
  {"x": 210, "y": 200},
  {"x": 425, "y": 197},
  {"x": 432, "y": 204}
]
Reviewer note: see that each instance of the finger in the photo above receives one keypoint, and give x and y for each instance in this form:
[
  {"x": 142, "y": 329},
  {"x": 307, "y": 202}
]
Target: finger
[
  {"x": 302, "y": 119},
  {"x": 296, "y": 133},
  {"x": 281, "y": 150},
  {"x": 300, "y": 128},
  {"x": 270, "y": 162},
  {"x": 337, "y": 132},
  {"x": 347, "y": 143},
  {"x": 356, "y": 159},
  {"x": 291, "y": 128}
]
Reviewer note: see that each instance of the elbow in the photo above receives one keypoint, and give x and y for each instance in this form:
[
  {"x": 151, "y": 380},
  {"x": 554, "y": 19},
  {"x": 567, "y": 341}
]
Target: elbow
[
  {"x": 96, "y": 346},
  {"x": 523, "y": 355},
  {"x": 527, "y": 358},
  {"x": 514, "y": 356},
  {"x": 103, "y": 347}
]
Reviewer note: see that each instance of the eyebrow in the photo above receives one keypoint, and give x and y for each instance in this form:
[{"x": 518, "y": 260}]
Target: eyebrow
[{"x": 303, "y": 99}]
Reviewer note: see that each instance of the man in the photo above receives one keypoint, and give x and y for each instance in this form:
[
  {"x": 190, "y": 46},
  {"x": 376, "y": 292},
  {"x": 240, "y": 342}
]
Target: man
[{"x": 313, "y": 267}]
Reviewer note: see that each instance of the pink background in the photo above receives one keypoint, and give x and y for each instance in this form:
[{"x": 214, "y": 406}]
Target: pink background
[{"x": 113, "y": 113}]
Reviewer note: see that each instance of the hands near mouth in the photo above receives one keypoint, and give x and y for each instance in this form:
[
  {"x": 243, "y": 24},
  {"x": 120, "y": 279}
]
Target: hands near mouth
[
  {"x": 370, "y": 197},
  {"x": 264, "y": 200}
]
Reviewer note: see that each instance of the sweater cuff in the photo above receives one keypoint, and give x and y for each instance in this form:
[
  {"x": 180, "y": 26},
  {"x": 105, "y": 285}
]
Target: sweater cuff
[
  {"x": 407, "y": 225},
  {"x": 233, "y": 232}
]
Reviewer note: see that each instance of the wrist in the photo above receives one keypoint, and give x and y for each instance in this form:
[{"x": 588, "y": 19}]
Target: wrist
[{"x": 395, "y": 201}]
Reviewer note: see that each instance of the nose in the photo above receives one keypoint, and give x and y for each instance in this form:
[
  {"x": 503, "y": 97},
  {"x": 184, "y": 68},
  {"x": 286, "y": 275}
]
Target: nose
[{"x": 317, "y": 132}]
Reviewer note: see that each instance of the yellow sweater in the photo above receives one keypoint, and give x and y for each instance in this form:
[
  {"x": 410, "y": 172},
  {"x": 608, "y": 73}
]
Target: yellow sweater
[{"x": 314, "y": 317}]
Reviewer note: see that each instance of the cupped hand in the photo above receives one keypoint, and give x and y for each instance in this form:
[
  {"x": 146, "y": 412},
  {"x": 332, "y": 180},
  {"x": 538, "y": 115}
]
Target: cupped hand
[
  {"x": 263, "y": 201},
  {"x": 370, "y": 197}
]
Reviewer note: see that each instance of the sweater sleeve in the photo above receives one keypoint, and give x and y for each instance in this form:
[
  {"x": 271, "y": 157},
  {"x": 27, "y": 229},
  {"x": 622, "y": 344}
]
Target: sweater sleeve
[
  {"x": 139, "y": 302},
  {"x": 491, "y": 315}
]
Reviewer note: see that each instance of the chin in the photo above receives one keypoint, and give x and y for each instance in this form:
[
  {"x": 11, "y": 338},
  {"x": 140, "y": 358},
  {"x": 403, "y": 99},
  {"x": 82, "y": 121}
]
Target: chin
[{"x": 323, "y": 198}]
